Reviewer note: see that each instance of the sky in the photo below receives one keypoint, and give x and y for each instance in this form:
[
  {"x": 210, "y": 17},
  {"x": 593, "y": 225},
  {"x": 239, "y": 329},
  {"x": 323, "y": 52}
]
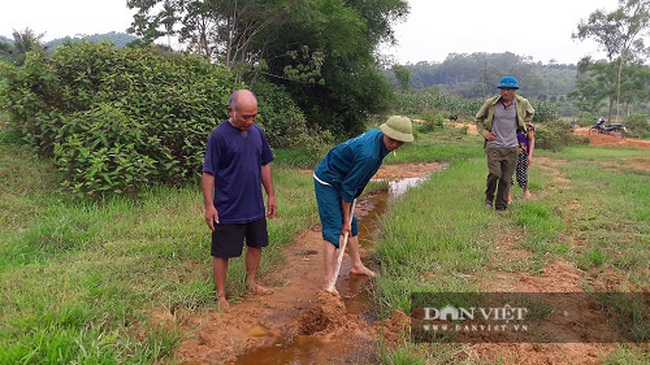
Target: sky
[{"x": 540, "y": 29}]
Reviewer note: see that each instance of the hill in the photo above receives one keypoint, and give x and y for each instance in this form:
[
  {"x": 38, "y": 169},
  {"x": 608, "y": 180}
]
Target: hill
[{"x": 120, "y": 40}]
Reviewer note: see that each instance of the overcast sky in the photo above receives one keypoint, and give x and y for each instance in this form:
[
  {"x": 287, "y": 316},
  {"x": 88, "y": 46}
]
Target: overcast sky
[{"x": 537, "y": 28}]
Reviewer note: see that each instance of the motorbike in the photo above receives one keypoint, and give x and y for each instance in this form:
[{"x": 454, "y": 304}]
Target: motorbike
[{"x": 614, "y": 129}]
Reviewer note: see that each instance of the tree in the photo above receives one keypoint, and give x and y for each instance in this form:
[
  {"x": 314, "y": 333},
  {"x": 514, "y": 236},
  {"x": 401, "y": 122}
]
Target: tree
[
  {"x": 228, "y": 31},
  {"x": 6, "y": 49},
  {"x": 403, "y": 76},
  {"x": 594, "y": 82},
  {"x": 24, "y": 42},
  {"x": 321, "y": 51},
  {"x": 619, "y": 33},
  {"x": 597, "y": 81}
]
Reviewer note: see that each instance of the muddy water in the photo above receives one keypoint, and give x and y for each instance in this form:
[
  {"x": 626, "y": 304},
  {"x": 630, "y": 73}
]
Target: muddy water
[{"x": 302, "y": 350}]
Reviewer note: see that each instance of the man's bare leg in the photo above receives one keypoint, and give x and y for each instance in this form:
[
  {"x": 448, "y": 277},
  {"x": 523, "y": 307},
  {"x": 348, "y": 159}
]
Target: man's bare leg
[
  {"x": 527, "y": 193},
  {"x": 253, "y": 258},
  {"x": 329, "y": 262},
  {"x": 358, "y": 268},
  {"x": 219, "y": 270}
]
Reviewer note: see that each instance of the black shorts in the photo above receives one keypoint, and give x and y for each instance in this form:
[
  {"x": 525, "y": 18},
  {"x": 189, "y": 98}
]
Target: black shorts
[{"x": 228, "y": 239}]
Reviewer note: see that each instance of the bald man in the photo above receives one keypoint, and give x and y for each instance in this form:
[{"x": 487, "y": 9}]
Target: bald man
[{"x": 237, "y": 164}]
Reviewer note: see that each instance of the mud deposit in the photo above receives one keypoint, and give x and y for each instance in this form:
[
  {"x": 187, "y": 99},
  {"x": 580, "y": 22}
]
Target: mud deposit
[{"x": 299, "y": 323}]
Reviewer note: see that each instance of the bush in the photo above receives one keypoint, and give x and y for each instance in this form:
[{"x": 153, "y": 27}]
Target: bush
[
  {"x": 586, "y": 119},
  {"x": 283, "y": 122},
  {"x": 115, "y": 120},
  {"x": 431, "y": 122},
  {"x": 638, "y": 126},
  {"x": 103, "y": 151},
  {"x": 554, "y": 135},
  {"x": 545, "y": 112}
]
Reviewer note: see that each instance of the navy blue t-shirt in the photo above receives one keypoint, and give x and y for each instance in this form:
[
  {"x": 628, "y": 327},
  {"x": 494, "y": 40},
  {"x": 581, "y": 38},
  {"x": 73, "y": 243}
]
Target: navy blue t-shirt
[{"x": 235, "y": 158}]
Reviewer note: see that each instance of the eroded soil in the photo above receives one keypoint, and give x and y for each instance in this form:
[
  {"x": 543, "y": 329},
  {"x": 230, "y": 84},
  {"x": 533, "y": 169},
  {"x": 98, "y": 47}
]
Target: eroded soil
[
  {"x": 613, "y": 141},
  {"x": 557, "y": 277},
  {"x": 298, "y": 323}
]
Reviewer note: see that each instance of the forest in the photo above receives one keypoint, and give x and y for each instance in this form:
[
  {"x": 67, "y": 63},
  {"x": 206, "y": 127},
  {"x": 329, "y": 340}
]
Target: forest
[{"x": 475, "y": 75}]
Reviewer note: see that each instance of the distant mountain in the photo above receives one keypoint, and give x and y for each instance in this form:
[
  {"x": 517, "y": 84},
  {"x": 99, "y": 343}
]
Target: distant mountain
[{"x": 120, "y": 40}]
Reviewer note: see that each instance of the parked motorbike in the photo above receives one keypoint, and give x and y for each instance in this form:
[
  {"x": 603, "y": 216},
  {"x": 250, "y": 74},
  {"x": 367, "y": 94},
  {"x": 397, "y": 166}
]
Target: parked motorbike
[{"x": 614, "y": 129}]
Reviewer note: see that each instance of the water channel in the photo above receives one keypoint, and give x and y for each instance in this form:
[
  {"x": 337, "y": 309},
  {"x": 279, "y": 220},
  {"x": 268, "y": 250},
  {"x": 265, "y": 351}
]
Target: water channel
[{"x": 303, "y": 350}]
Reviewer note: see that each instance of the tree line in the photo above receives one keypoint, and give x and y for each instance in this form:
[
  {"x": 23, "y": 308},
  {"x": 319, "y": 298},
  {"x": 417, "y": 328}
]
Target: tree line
[
  {"x": 314, "y": 62},
  {"x": 588, "y": 87}
]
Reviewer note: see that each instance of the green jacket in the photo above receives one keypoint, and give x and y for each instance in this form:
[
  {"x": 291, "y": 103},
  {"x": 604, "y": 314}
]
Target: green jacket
[{"x": 485, "y": 115}]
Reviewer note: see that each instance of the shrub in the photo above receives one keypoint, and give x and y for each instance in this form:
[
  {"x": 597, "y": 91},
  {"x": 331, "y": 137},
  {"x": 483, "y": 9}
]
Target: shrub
[
  {"x": 586, "y": 119},
  {"x": 553, "y": 135},
  {"x": 103, "y": 151},
  {"x": 283, "y": 122},
  {"x": 638, "y": 126},
  {"x": 545, "y": 112},
  {"x": 431, "y": 122},
  {"x": 115, "y": 120}
]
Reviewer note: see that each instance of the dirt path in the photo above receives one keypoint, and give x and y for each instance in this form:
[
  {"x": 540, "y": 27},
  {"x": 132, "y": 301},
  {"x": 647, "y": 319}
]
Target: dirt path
[
  {"x": 612, "y": 141},
  {"x": 288, "y": 315},
  {"x": 595, "y": 140},
  {"x": 295, "y": 324},
  {"x": 471, "y": 127},
  {"x": 558, "y": 277}
]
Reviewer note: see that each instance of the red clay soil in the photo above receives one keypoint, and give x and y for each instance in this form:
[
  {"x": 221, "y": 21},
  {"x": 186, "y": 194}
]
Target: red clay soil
[
  {"x": 298, "y": 322},
  {"x": 594, "y": 140},
  {"x": 471, "y": 127},
  {"x": 405, "y": 171},
  {"x": 297, "y": 313},
  {"x": 613, "y": 141},
  {"x": 558, "y": 277}
]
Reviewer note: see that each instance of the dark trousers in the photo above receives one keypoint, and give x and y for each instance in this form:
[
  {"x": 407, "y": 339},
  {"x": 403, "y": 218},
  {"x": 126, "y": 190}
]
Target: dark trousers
[{"x": 501, "y": 165}]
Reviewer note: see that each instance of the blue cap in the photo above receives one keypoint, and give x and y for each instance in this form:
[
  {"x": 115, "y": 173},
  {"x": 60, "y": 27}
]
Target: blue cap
[{"x": 508, "y": 82}]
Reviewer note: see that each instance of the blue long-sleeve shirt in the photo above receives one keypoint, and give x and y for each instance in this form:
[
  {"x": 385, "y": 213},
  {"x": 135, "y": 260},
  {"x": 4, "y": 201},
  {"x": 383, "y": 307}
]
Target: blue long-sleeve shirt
[{"x": 349, "y": 166}]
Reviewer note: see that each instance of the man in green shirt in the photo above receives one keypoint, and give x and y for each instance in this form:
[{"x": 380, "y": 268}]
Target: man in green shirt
[{"x": 498, "y": 121}]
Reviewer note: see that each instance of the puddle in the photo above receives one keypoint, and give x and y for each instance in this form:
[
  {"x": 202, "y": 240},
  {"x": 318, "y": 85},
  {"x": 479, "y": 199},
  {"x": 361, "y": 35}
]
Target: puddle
[
  {"x": 303, "y": 350},
  {"x": 397, "y": 188}
]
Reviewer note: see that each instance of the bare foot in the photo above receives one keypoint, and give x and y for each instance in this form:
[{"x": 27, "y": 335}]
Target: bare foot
[
  {"x": 333, "y": 292},
  {"x": 528, "y": 195},
  {"x": 364, "y": 271},
  {"x": 260, "y": 290},
  {"x": 222, "y": 303}
]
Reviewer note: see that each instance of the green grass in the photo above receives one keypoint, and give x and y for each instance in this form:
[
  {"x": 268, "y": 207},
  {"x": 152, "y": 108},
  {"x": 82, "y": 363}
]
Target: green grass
[
  {"x": 431, "y": 234},
  {"x": 440, "y": 237},
  {"x": 613, "y": 206},
  {"x": 444, "y": 144},
  {"x": 79, "y": 279}
]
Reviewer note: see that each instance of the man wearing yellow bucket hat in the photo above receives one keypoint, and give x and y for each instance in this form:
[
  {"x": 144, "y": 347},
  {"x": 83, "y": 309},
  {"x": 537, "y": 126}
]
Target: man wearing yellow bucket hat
[{"x": 341, "y": 177}]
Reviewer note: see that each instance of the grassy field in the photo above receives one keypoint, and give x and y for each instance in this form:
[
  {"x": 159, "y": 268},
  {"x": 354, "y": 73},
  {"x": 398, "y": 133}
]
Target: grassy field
[
  {"x": 82, "y": 282},
  {"x": 591, "y": 211}
]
